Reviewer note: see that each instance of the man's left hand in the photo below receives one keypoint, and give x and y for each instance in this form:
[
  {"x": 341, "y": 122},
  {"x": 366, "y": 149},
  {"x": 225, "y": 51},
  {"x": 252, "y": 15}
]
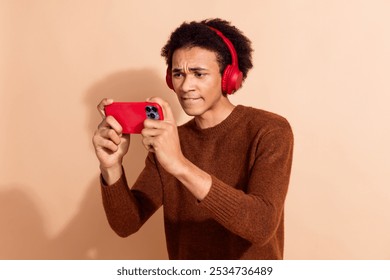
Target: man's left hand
[{"x": 161, "y": 137}]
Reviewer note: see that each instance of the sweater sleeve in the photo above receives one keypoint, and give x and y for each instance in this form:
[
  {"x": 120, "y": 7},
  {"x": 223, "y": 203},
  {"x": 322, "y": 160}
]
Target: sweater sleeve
[
  {"x": 255, "y": 214},
  {"x": 128, "y": 209}
]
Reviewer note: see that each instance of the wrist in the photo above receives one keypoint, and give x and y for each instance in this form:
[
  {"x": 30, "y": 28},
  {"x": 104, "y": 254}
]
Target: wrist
[
  {"x": 197, "y": 181},
  {"x": 181, "y": 167},
  {"x": 111, "y": 174}
]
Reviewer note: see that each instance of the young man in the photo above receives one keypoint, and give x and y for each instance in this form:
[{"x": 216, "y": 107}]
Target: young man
[{"x": 223, "y": 176}]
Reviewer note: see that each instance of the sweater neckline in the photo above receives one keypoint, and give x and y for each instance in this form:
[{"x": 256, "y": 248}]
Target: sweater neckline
[{"x": 226, "y": 124}]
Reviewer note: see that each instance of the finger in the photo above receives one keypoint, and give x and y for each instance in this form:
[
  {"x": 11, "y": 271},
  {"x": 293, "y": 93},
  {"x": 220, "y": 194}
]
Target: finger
[
  {"x": 111, "y": 123},
  {"x": 167, "y": 111},
  {"x": 148, "y": 144},
  {"x": 153, "y": 124},
  {"x": 103, "y": 143},
  {"x": 107, "y": 134},
  {"x": 110, "y": 134},
  {"x": 102, "y": 104},
  {"x": 149, "y": 131},
  {"x": 114, "y": 124}
]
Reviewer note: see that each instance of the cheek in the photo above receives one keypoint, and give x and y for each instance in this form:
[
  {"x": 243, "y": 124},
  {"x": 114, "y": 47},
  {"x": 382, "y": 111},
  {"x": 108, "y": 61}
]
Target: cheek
[{"x": 214, "y": 84}]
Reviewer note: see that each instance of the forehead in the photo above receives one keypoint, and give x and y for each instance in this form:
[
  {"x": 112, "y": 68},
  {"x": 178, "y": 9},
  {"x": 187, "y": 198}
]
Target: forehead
[{"x": 194, "y": 56}]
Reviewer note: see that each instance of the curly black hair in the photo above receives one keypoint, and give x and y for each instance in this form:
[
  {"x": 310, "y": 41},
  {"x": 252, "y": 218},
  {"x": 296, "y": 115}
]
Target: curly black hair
[{"x": 198, "y": 34}]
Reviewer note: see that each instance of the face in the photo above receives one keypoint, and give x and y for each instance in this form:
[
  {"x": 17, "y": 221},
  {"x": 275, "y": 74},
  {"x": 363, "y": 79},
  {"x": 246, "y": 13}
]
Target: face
[{"x": 196, "y": 79}]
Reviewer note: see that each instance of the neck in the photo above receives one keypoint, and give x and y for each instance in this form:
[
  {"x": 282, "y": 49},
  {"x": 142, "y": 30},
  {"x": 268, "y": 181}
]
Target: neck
[{"x": 215, "y": 116}]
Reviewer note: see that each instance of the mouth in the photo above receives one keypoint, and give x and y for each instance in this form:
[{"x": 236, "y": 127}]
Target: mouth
[{"x": 190, "y": 99}]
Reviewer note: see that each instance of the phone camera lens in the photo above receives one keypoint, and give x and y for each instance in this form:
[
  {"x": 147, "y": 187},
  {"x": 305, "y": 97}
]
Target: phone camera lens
[{"x": 152, "y": 112}]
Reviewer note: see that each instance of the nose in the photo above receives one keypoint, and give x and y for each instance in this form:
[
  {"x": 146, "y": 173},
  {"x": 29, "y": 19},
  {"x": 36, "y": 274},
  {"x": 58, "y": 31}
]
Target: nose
[{"x": 187, "y": 83}]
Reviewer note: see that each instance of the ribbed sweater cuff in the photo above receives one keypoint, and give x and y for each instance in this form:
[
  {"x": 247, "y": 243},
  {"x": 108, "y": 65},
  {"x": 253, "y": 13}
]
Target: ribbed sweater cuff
[
  {"x": 113, "y": 194},
  {"x": 221, "y": 201}
]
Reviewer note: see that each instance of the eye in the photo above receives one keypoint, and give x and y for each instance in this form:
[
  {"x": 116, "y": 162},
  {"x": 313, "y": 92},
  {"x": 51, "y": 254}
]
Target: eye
[
  {"x": 177, "y": 74},
  {"x": 199, "y": 74}
]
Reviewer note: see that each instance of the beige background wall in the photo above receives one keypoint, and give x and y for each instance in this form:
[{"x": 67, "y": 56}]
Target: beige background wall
[{"x": 322, "y": 64}]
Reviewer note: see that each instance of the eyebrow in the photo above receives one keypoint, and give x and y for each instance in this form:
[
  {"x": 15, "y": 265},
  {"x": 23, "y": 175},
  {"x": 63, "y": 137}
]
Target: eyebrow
[{"x": 192, "y": 69}]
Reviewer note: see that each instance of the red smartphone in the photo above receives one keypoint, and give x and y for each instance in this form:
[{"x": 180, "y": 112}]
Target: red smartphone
[{"x": 131, "y": 115}]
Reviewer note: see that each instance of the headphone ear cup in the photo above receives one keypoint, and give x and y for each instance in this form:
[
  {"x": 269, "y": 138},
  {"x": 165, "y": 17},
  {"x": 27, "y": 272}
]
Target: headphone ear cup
[
  {"x": 231, "y": 79},
  {"x": 168, "y": 79}
]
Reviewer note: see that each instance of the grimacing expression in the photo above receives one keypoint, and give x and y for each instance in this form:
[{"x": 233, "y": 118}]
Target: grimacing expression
[{"x": 196, "y": 80}]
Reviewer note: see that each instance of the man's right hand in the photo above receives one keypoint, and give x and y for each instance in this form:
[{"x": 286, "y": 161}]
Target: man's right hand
[{"x": 110, "y": 145}]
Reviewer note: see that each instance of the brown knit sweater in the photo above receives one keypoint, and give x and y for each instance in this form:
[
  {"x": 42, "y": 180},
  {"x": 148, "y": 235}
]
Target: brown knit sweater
[{"x": 249, "y": 157}]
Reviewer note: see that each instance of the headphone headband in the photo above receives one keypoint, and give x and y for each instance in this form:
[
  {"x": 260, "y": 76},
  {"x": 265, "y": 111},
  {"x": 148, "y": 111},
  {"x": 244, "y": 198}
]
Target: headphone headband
[{"x": 229, "y": 44}]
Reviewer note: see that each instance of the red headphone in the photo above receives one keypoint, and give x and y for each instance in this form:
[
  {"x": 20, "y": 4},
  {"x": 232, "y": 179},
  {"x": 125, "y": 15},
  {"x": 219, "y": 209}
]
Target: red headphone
[{"x": 232, "y": 76}]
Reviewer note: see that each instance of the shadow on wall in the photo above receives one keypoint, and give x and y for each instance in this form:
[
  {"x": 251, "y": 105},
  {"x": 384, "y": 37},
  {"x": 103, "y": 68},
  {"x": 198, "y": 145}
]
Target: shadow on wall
[
  {"x": 22, "y": 233},
  {"x": 88, "y": 235}
]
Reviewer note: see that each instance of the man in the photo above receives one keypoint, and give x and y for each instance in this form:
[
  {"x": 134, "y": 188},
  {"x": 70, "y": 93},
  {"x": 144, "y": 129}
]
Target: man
[{"x": 223, "y": 176}]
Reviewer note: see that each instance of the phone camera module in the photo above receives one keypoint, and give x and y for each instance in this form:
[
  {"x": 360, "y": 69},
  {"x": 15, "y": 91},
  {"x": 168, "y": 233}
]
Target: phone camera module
[{"x": 152, "y": 112}]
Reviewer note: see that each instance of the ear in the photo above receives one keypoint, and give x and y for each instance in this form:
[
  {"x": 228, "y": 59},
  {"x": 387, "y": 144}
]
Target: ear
[{"x": 168, "y": 78}]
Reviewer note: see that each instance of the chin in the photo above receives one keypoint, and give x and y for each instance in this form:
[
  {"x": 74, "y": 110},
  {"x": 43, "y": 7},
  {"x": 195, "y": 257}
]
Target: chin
[{"x": 193, "y": 112}]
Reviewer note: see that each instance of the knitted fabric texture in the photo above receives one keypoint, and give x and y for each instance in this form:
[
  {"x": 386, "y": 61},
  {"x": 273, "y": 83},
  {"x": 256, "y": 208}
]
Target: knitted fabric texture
[{"x": 249, "y": 157}]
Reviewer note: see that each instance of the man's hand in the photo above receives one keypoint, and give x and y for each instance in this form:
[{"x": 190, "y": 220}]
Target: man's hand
[
  {"x": 161, "y": 138},
  {"x": 110, "y": 145}
]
